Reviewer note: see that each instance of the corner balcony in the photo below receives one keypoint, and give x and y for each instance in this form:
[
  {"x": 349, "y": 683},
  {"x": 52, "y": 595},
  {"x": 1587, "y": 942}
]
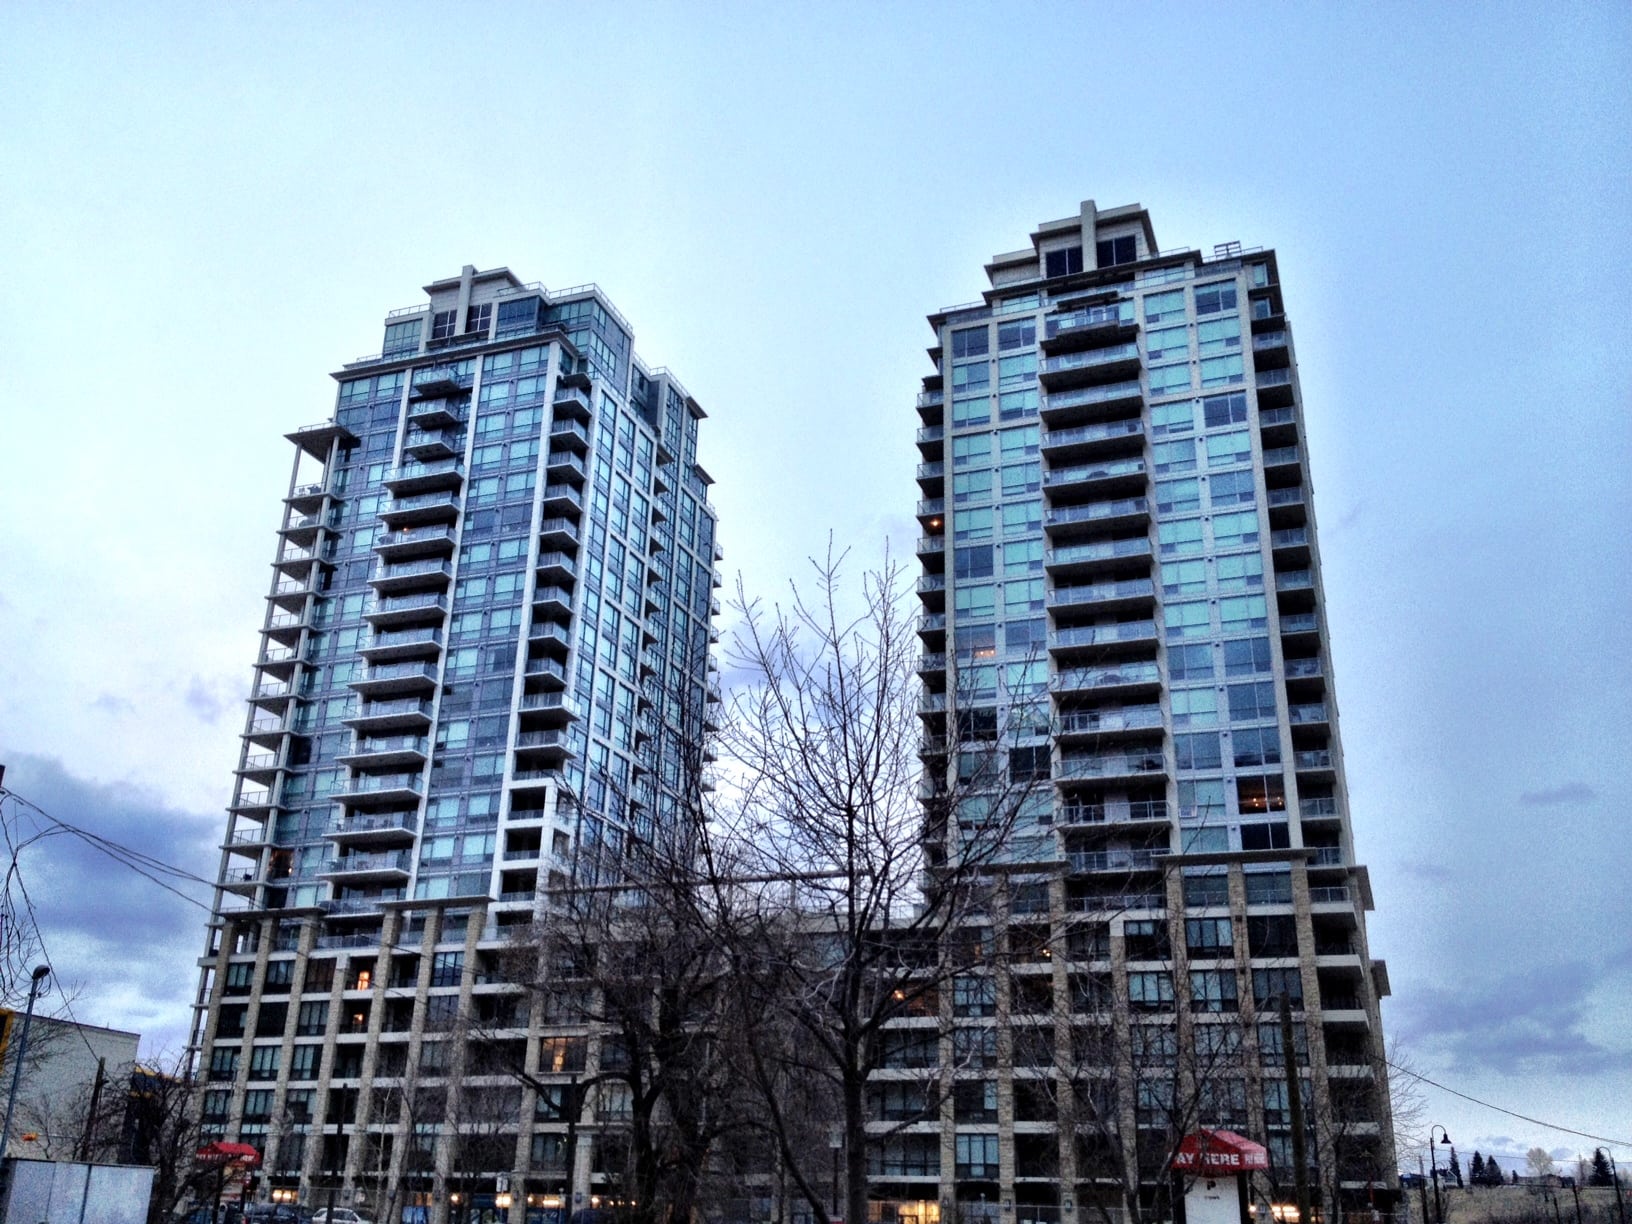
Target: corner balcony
[
  {"x": 403, "y": 714},
  {"x": 380, "y": 790},
  {"x": 1123, "y": 639},
  {"x": 317, "y": 440},
  {"x": 259, "y": 767},
  {"x": 374, "y": 829},
  {"x": 247, "y": 839},
  {"x": 1278, "y": 426},
  {"x": 1274, "y": 388},
  {"x": 1300, "y": 631},
  {"x": 433, "y": 445},
  {"x": 402, "y": 577},
  {"x": 1270, "y": 350},
  {"x": 1085, "y": 366},
  {"x": 290, "y": 594},
  {"x": 285, "y": 627},
  {"x": 1096, "y": 518},
  {"x": 438, "y": 380},
  {"x": 279, "y": 662},
  {"x": 551, "y": 634},
  {"x": 932, "y": 478},
  {"x": 1084, "y": 442},
  {"x": 552, "y": 601},
  {"x": 536, "y": 780},
  {"x": 307, "y": 499},
  {"x": 932, "y": 628},
  {"x": 1128, "y": 595},
  {"x": 1288, "y": 507},
  {"x": 1314, "y": 765},
  {"x": 570, "y": 436},
  {"x": 562, "y": 500},
  {"x": 272, "y": 695},
  {"x": 396, "y": 680},
  {"x": 932, "y": 588},
  {"x": 549, "y": 709},
  {"x": 422, "y": 508},
  {"x": 558, "y": 534},
  {"x": 1311, "y": 716},
  {"x": 549, "y": 748},
  {"x": 397, "y": 611},
  {"x": 1123, "y": 680},
  {"x": 386, "y": 752},
  {"x": 571, "y": 399},
  {"x": 254, "y": 803},
  {"x": 1291, "y": 547},
  {"x": 355, "y": 870},
  {"x": 1305, "y": 677},
  {"x": 302, "y": 530},
  {"x": 1087, "y": 405},
  {"x": 438, "y": 412},
  {"x": 932, "y": 545},
  {"x": 390, "y": 645},
  {"x": 544, "y": 674},
  {"x": 1134, "y": 766},
  {"x": 1104, "y": 479},
  {"x": 411, "y": 479},
  {"x": 413, "y": 543}
]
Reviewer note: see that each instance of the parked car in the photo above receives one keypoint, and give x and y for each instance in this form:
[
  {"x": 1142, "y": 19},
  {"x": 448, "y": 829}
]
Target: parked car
[{"x": 340, "y": 1215}]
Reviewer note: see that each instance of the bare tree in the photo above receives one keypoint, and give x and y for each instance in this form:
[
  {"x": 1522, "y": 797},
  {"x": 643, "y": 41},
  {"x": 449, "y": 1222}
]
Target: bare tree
[{"x": 878, "y": 863}]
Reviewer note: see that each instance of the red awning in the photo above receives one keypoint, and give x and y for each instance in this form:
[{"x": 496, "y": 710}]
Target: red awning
[
  {"x": 1219, "y": 1151},
  {"x": 228, "y": 1153}
]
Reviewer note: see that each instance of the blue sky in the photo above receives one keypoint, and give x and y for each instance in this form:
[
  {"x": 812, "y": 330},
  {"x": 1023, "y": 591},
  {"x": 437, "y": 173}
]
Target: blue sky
[{"x": 205, "y": 209}]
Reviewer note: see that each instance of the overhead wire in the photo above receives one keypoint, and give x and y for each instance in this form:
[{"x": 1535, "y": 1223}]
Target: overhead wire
[{"x": 1568, "y": 1130}]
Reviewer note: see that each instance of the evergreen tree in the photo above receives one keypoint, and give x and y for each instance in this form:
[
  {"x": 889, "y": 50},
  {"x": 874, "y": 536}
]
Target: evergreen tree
[
  {"x": 1476, "y": 1171},
  {"x": 1456, "y": 1169},
  {"x": 1601, "y": 1174}
]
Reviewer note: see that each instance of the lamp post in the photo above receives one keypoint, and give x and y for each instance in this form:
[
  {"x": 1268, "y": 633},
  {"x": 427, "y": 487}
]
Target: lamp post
[
  {"x": 35, "y": 981},
  {"x": 1445, "y": 1138}
]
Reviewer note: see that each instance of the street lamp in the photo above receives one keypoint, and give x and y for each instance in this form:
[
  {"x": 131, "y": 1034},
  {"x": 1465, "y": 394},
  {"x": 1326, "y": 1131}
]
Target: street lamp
[
  {"x": 41, "y": 972},
  {"x": 1445, "y": 1138}
]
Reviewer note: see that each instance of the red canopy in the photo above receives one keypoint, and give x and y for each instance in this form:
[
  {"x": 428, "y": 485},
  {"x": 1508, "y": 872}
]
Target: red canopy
[
  {"x": 1219, "y": 1151},
  {"x": 228, "y": 1153}
]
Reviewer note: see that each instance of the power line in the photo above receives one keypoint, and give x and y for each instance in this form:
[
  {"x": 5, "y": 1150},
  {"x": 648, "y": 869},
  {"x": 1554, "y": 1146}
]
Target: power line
[{"x": 1568, "y": 1130}]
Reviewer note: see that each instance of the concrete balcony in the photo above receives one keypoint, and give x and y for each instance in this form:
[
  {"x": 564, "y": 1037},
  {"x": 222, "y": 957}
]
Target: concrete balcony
[
  {"x": 439, "y": 380},
  {"x": 317, "y": 440},
  {"x": 1130, "y": 594},
  {"x": 1131, "y": 553},
  {"x": 562, "y": 500},
  {"x": 1087, "y": 366},
  {"x": 438, "y": 412},
  {"x": 380, "y": 790},
  {"x": 1086, "y": 405},
  {"x": 437, "y": 540},
  {"x": 1107, "y": 725},
  {"x": 412, "y": 479},
  {"x": 1119, "y": 680},
  {"x": 1106, "y": 478},
  {"x": 395, "y": 611},
  {"x": 555, "y": 709},
  {"x": 388, "y": 645},
  {"x": 374, "y": 829},
  {"x": 438, "y": 507},
  {"x": 1084, "y": 442},
  {"x": 1096, "y": 518},
  {"x": 402, "y": 714},
  {"x": 386, "y": 751},
  {"x": 1133, "y": 637},
  {"x": 558, "y": 534},
  {"x": 396, "y": 680},
  {"x": 400, "y": 578},
  {"x": 355, "y": 870},
  {"x": 1088, "y": 326},
  {"x": 433, "y": 445},
  {"x": 1137, "y": 811}
]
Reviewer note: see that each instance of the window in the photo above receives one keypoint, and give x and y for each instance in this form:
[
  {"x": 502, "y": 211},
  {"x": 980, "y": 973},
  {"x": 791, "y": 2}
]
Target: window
[
  {"x": 1173, "y": 418},
  {"x": 1246, "y": 657},
  {"x": 974, "y": 411},
  {"x": 1240, "y": 572},
  {"x": 1217, "y": 336},
  {"x": 312, "y": 1019},
  {"x": 971, "y": 376},
  {"x": 1211, "y": 888},
  {"x": 1268, "y": 985},
  {"x": 1184, "y": 577},
  {"x": 305, "y": 1061},
  {"x": 1218, "y": 410},
  {"x": 1198, "y": 750},
  {"x": 1242, "y": 613},
  {"x": 1209, "y": 937},
  {"x": 1017, "y": 405},
  {"x": 1256, "y": 747},
  {"x": 972, "y": 487},
  {"x": 975, "y": 1101},
  {"x": 1146, "y": 939},
  {"x": 1022, "y": 557},
  {"x": 1150, "y": 991},
  {"x": 1022, "y": 597},
  {"x": 1025, "y": 518},
  {"x": 1020, "y": 479},
  {"x": 1186, "y": 620},
  {"x": 1023, "y": 442},
  {"x": 971, "y": 450},
  {"x": 1020, "y": 368},
  {"x": 1252, "y": 701},
  {"x": 240, "y": 976},
  {"x": 974, "y": 996},
  {"x": 1271, "y": 934},
  {"x": 443, "y": 323},
  {"x": 1229, "y": 449},
  {"x": 263, "y": 1062},
  {"x": 977, "y": 1156},
  {"x": 1212, "y": 990},
  {"x": 402, "y": 337},
  {"x": 972, "y": 524},
  {"x": 1175, "y": 456},
  {"x": 976, "y": 601},
  {"x": 1179, "y": 537},
  {"x": 1213, "y": 298},
  {"x": 1153, "y": 1045},
  {"x": 1269, "y": 888},
  {"x": 1025, "y": 638},
  {"x": 1066, "y": 261},
  {"x": 1178, "y": 496},
  {"x": 910, "y": 1048},
  {"x": 1257, "y": 795},
  {"x": 1108, "y": 251},
  {"x": 1195, "y": 707},
  {"x": 1164, "y": 307},
  {"x": 478, "y": 318},
  {"x": 1164, "y": 380},
  {"x": 1236, "y": 528},
  {"x": 1167, "y": 342},
  {"x": 972, "y": 1048},
  {"x": 1221, "y": 371},
  {"x": 1190, "y": 662},
  {"x": 971, "y": 342},
  {"x": 1022, "y": 333}
]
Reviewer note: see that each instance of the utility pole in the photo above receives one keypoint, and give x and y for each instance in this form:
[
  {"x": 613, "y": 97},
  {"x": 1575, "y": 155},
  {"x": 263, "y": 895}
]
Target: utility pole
[
  {"x": 1294, "y": 1097},
  {"x": 41, "y": 972},
  {"x": 1615, "y": 1177}
]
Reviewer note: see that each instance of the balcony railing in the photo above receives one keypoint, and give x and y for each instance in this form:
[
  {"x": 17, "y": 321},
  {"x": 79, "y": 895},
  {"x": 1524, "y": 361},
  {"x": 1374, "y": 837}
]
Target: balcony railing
[
  {"x": 1107, "y": 677},
  {"x": 1314, "y": 712},
  {"x": 1121, "y": 508},
  {"x": 1127, "y": 389},
  {"x": 1098, "y": 471},
  {"x": 1106, "y": 431},
  {"x": 1099, "y": 550},
  {"x": 1089, "y": 358},
  {"x": 1111, "y": 765},
  {"x": 1100, "y": 592},
  {"x": 1098, "y": 635},
  {"x": 1108, "y": 813},
  {"x": 1127, "y": 718}
]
